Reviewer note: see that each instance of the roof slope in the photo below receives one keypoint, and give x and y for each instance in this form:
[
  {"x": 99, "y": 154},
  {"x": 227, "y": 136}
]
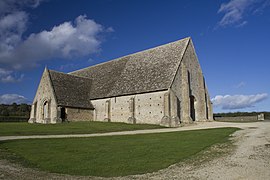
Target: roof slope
[
  {"x": 71, "y": 91},
  {"x": 145, "y": 71}
]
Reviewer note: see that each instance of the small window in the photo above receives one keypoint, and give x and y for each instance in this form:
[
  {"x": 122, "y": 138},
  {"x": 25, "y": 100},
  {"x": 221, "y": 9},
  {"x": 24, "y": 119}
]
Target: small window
[
  {"x": 150, "y": 105},
  {"x": 149, "y": 112},
  {"x": 150, "y": 98}
]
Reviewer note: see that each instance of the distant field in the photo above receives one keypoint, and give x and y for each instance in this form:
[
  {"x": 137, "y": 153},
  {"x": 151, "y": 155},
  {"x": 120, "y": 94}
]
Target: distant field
[
  {"x": 112, "y": 155},
  {"x": 23, "y": 128}
]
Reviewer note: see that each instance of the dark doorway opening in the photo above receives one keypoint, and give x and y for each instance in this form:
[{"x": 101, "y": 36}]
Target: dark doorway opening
[
  {"x": 45, "y": 110},
  {"x": 178, "y": 108},
  {"x": 192, "y": 108},
  {"x": 63, "y": 114},
  {"x": 206, "y": 107}
]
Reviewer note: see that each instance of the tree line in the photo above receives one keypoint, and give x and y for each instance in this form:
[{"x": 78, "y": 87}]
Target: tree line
[
  {"x": 15, "y": 110},
  {"x": 236, "y": 114}
]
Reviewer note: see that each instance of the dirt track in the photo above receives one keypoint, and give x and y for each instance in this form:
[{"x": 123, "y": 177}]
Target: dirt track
[{"x": 250, "y": 159}]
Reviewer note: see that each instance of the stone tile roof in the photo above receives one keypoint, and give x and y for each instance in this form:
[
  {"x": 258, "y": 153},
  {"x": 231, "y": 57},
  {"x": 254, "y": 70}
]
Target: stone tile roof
[
  {"x": 145, "y": 71},
  {"x": 71, "y": 91}
]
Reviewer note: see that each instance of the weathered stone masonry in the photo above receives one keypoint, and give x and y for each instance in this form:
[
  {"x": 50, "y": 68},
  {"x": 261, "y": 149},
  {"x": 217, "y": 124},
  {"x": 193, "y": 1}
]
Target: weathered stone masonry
[{"x": 162, "y": 85}]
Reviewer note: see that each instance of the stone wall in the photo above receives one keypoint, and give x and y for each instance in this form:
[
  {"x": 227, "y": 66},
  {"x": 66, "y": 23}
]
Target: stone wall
[
  {"x": 147, "y": 108},
  {"x": 189, "y": 81},
  {"x": 238, "y": 118},
  {"x": 186, "y": 98},
  {"x": 44, "y": 107},
  {"x": 259, "y": 117},
  {"x": 78, "y": 114}
]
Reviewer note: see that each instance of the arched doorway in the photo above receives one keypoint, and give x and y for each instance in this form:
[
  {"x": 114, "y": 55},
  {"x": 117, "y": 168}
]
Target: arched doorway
[
  {"x": 63, "y": 114},
  {"x": 178, "y": 108},
  {"x": 206, "y": 107},
  {"x": 192, "y": 108},
  {"x": 45, "y": 110}
]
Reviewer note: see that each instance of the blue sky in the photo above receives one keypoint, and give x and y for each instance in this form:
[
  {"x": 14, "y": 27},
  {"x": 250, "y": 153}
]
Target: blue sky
[{"x": 231, "y": 38}]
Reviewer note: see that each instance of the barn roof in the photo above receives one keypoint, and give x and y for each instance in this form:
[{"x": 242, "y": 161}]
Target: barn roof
[
  {"x": 146, "y": 71},
  {"x": 71, "y": 91}
]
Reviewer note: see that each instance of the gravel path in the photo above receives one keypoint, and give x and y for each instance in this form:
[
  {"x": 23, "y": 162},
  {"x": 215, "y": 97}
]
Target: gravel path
[
  {"x": 201, "y": 125},
  {"x": 250, "y": 159}
]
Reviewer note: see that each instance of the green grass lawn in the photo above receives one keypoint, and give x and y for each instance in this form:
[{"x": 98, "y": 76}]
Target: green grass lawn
[
  {"x": 114, "y": 155},
  {"x": 23, "y": 128}
]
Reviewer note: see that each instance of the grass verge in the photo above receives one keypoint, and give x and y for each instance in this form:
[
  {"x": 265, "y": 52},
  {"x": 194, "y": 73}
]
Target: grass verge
[
  {"x": 114, "y": 155},
  {"x": 23, "y": 128}
]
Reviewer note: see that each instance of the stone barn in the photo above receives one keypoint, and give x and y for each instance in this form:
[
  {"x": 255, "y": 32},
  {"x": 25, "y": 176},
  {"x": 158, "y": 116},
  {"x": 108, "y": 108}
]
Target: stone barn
[{"x": 163, "y": 85}]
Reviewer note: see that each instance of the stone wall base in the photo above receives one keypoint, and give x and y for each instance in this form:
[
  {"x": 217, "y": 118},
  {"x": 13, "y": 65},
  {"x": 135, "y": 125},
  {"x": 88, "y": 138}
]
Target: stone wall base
[
  {"x": 132, "y": 120},
  {"x": 170, "y": 121},
  {"x": 32, "y": 120},
  {"x": 107, "y": 120}
]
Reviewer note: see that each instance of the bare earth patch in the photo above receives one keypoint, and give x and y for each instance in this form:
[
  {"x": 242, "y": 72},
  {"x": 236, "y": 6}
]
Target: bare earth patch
[{"x": 247, "y": 158}]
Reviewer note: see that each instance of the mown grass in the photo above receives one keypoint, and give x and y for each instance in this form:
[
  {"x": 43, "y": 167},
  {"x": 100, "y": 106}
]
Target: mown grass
[
  {"x": 114, "y": 155},
  {"x": 23, "y": 128}
]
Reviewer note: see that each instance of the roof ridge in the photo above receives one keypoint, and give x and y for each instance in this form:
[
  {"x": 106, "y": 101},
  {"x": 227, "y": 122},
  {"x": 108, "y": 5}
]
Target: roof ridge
[
  {"x": 69, "y": 74},
  {"x": 121, "y": 58},
  {"x": 51, "y": 83},
  {"x": 182, "y": 56},
  {"x": 144, "y": 71}
]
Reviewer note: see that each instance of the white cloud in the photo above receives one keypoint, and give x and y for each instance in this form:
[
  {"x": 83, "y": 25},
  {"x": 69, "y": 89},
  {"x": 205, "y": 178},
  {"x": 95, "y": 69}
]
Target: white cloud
[
  {"x": 7, "y": 6},
  {"x": 238, "y": 101},
  {"x": 240, "y": 85},
  {"x": 13, "y": 23},
  {"x": 12, "y": 98},
  {"x": 69, "y": 66},
  {"x": 242, "y": 24},
  {"x": 8, "y": 76},
  {"x": 67, "y": 40},
  {"x": 12, "y": 26},
  {"x": 236, "y": 10},
  {"x": 64, "y": 41}
]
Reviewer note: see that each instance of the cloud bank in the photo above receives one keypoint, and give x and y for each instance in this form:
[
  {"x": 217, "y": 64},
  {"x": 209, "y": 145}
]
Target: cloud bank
[
  {"x": 67, "y": 40},
  {"x": 7, "y": 76},
  {"x": 12, "y": 98},
  {"x": 7, "y": 6},
  {"x": 238, "y": 101},
  {"x": 235, "y": 11}
]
